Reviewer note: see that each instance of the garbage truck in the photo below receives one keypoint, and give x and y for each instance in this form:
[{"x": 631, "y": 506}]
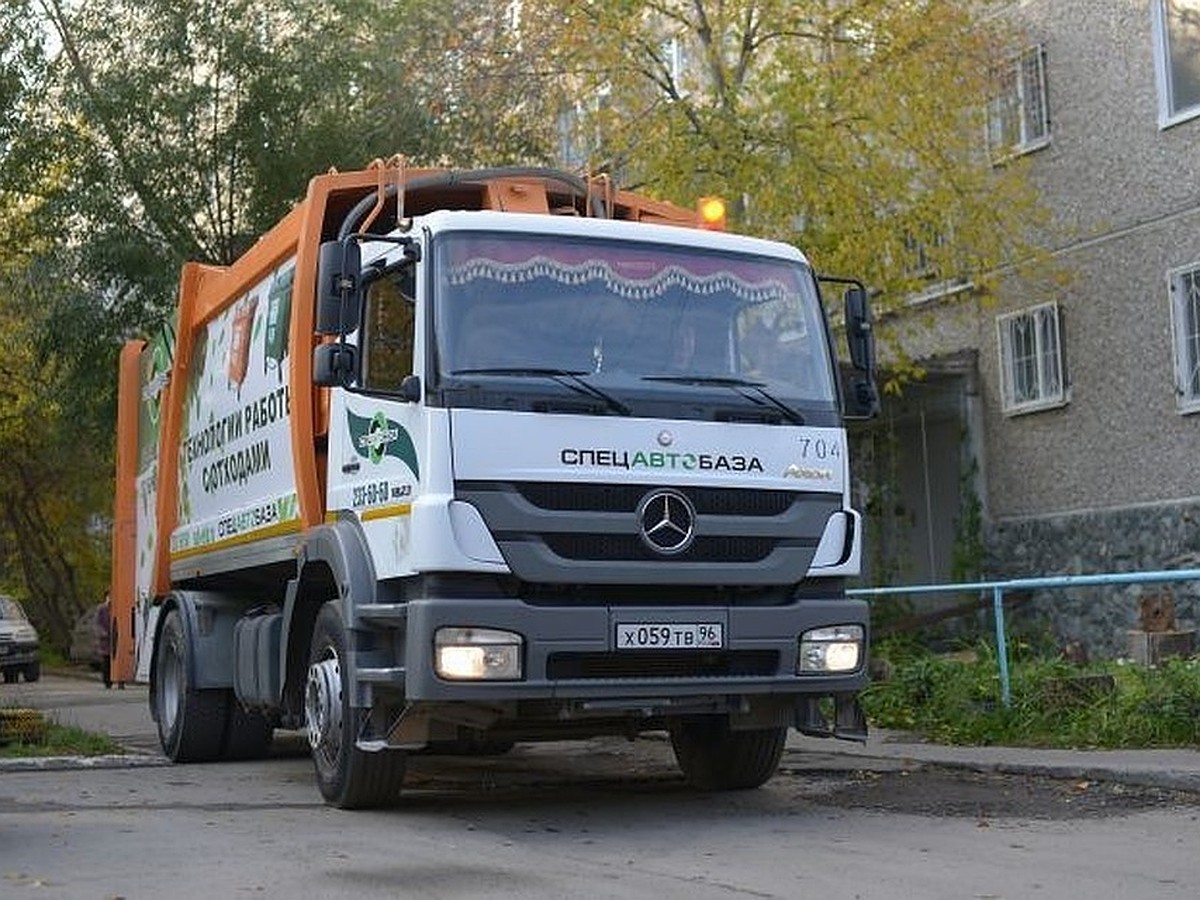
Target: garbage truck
[{"x": 453, "y": 460}]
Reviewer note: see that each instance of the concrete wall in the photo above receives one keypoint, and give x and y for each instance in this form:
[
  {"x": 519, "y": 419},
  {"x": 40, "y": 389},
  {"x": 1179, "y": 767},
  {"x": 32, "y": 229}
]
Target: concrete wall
[
  {"x": 1138, "y": 538},
  {"x": 1124, "y": 196}
]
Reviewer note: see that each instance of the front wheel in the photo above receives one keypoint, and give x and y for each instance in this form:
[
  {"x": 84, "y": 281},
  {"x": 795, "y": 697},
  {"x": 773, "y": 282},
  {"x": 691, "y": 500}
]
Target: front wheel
[
  {"x": 715, "y": 758},
  {"x": 191, "y": 722},
  {"x": 347, "y": 777},
  {"x": 33, "y": 671}
]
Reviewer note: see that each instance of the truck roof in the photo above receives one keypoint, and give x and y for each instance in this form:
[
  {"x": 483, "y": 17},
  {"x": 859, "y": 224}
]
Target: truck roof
[{"x": 615, "y": 229}]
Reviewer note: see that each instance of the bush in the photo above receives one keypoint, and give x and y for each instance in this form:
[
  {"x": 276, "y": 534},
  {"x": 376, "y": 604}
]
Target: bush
[{"x": 957, "y": 700}]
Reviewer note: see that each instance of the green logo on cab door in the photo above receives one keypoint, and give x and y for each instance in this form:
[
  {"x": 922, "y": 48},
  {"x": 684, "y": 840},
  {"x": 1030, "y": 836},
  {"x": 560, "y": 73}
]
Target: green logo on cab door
[{"x": 379, "y": 436}]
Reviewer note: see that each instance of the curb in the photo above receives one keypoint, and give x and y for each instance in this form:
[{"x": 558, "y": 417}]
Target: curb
[
  {"x": 69, "y": 763},
  {"x": 1163, "y": 770},
  {"x": 1187, "y": 782},
  {"x": 1168, "y": 780}
]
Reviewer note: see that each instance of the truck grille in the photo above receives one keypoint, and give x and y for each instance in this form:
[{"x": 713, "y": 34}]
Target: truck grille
[
  {"x": 661, "y": 664},
  {"x": 588, "y": 533},
  {"x": 625, "y": 497},
  {"x": 619, "y": 546}
]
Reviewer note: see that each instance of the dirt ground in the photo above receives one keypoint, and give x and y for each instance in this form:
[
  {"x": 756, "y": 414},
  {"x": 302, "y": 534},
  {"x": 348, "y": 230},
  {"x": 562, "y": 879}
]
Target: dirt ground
[
  {"x": 928, "y": 790},
  {"x": 955, "y": 793}
]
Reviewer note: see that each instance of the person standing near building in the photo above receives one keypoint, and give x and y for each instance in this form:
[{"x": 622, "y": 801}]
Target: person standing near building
[{"x": 103, "y": 635}]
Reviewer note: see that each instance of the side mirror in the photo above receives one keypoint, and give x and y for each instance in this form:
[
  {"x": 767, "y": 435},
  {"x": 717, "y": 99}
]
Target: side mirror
[
  {"x": 859, "y": 335},
  {"x": 410, "y": 388},
  {"x": 863, "y": 400},
  {"x": 335, "y": 365},
  {"x": 339, "y": 287}
]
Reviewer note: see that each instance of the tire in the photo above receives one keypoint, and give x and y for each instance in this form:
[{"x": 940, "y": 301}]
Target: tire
[
  {"x": 191, "y": 722},
  {"x": 248, "y": 735},
  {"x": 11, "y": 675},
  {"x": 348, "y": 778},
  {"x": 33, "y": 671},
  {"x": 714, "y": 758}
]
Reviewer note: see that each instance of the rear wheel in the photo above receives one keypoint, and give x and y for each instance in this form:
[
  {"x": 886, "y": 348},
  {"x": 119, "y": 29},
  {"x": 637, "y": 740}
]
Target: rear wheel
[
  {"x": 348, "y": 777},
  {"x": 715, "y": 758},
  {"x": 33, "y": 671},
  {"x": 191, "y": 722},
  {"x": 11, "y": 675}
]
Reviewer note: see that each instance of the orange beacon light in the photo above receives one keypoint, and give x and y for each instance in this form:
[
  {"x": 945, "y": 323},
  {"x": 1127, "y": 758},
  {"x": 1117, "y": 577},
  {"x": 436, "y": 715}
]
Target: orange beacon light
[{"x": 711, "y": 211}]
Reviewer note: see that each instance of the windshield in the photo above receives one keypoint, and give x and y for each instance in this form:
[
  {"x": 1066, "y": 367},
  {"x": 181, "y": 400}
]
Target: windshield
[{"x": 630, "y": 319}]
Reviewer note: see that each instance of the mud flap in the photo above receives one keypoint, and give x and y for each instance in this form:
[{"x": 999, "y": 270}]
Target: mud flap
[{"x": 849, "y": 722}]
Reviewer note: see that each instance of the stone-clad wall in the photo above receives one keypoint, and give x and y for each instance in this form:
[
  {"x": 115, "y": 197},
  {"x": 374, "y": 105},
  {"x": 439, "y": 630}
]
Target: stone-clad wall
[{"x": 1145, "y": 538}]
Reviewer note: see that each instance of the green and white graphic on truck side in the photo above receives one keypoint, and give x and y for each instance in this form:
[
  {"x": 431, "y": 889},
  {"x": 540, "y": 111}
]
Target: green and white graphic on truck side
[
  {"x": 237, "y": 480},
  {"x": 379, "y": 436}
]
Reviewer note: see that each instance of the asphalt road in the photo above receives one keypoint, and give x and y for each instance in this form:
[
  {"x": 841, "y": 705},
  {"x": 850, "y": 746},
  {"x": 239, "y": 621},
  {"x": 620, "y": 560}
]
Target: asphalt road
[{"x": 589, "y": 820}]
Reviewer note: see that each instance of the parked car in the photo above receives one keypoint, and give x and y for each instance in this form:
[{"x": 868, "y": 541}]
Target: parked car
[
  {"x": 18, "y": 643},
  {"x": 85, "y": 640}
]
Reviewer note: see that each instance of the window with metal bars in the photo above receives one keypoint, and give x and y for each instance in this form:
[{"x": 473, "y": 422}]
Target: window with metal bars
[
  {"x": 1018, "y": 113},
  {"x": 1185, "y": 323},
  {"x": 1177, "y": 59},
  {"x": 1031, "y": 359}
]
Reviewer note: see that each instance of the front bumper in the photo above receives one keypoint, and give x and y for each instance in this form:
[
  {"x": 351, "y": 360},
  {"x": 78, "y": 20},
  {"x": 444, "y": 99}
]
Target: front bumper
[
  {"x": 570, "y": 653},
  {"x": 17, "y": 654}
]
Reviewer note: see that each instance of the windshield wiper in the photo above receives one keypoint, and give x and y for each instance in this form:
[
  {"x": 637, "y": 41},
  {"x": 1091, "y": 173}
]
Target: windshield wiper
[
  {"x": 568, "y": 378},
  {"x": 736, "y": 384}
]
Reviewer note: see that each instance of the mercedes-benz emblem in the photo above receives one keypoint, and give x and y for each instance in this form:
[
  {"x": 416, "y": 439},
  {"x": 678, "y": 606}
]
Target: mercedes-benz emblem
[
  {"x": 665, "y": 438},
  {"x": 667, "y": 521}
]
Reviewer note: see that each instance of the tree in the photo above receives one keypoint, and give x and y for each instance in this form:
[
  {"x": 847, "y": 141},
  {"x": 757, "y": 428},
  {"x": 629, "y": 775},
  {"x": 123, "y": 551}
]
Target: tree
[
  {"x": 491, "y": 84},
  {"x": 852, "y": 127},
  {"x": 50, "y": 553},
  {"x": 158, "y": 132},
  {"x": 188, "y": 128},
  {"x": 53, "y": 552}
]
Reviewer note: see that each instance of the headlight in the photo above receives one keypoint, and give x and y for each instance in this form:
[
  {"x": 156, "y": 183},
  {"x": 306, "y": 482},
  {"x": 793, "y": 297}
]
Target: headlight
[
  {"x": 477, "y": 654},
  {"x": 831, "y": 650}
]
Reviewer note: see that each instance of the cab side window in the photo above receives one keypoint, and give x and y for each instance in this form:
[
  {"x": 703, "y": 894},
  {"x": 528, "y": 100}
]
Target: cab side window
[{"x": 388, "y": 327}]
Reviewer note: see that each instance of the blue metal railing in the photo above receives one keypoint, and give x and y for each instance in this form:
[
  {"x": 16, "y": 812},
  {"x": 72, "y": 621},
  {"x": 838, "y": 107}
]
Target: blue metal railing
[{"x": 998, "y": 589}]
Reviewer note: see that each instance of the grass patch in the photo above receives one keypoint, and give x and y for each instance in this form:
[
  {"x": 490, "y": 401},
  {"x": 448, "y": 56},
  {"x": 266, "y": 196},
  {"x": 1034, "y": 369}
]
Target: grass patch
[
  {"x": 53, "y": 659},
  {"x": 956, "y": 700},
  {"x": 61, "y": 740}
]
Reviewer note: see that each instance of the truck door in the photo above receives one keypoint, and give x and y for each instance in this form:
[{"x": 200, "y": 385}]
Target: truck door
[{"x": 374, "y": 470}]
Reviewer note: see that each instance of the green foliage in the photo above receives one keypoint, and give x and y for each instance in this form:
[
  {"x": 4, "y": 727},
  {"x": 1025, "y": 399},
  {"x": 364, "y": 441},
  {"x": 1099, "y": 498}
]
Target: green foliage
[
  {"x": 876, "y": 456},
  {"x": 63, "y": 740},
  {"x": 55, "y": 443},
  {"x": 184, "y": 130},
  {"x": 854, "y": 129},
  {"x": 1054, "y": 704},
  {"x": 489, "y": 80},
  {"x": 966, "y": 563}
]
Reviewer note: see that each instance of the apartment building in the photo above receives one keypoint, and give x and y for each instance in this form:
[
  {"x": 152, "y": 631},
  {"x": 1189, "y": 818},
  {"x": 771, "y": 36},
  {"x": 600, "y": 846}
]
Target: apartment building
[{"x": 1058, "y": 428}]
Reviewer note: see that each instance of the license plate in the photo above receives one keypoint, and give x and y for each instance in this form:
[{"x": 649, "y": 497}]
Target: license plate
[{"x": 670, "y": 636}]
